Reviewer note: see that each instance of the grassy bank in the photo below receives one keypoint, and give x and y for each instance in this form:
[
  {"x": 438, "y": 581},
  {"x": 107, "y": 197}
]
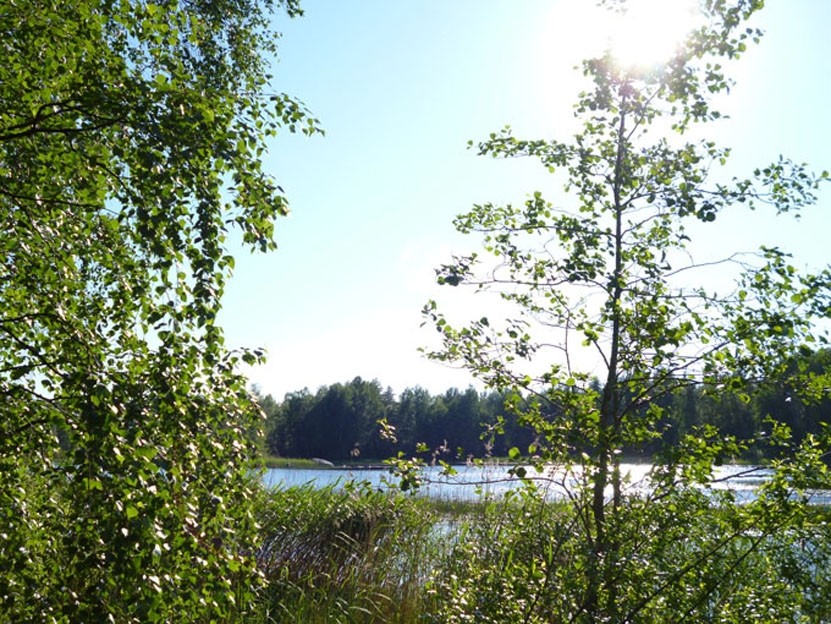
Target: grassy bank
[
  {"x": 354, "y": 555},
  {"x": 272, "y": 461}
]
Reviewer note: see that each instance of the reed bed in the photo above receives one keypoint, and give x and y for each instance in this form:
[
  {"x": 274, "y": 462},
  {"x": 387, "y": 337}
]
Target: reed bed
[
  {"x": 346, "y": 554},
  {"x": 352, "y": 554}
]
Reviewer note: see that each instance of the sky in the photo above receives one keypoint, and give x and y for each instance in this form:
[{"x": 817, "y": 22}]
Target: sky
[{"x": 400, "y": 88}]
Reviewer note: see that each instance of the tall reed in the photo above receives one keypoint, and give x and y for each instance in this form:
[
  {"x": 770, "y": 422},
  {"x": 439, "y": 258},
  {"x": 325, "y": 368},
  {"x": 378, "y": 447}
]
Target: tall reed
[{"x": 346, "y": 554}]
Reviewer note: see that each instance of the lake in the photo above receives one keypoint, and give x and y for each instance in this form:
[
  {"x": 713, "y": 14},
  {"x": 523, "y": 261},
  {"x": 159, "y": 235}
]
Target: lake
[{"x": 472, "y": 482}]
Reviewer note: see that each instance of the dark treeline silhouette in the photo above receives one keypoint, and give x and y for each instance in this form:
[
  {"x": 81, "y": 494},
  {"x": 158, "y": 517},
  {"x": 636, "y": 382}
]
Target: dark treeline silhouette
[{"x": 341, "y": 422}]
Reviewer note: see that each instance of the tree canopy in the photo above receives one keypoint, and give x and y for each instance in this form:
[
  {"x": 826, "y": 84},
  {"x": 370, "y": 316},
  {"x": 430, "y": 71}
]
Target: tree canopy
[
  {"x": 458, "y": 425},
  {"x": 131, "y": 136},
  {"x": 607, "y": 274}
]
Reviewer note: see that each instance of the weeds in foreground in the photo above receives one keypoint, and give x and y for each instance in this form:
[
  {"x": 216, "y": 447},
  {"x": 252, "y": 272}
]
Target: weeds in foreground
[
  {"x": 354, "y": 555},
  {"x": 345, "y": 555}
]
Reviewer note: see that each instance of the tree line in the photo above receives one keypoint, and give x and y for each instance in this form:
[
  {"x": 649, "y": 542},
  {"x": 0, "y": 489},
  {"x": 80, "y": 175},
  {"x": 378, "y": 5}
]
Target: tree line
[{"x": 340, "y": 422}]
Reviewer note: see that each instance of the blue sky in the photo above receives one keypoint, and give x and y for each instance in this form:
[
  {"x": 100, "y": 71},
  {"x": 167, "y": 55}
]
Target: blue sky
[{"x": 400, "y": 87}]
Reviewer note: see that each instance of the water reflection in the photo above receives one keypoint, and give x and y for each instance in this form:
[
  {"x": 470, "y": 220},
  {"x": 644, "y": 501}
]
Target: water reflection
[{"x": 473, "y": 482}]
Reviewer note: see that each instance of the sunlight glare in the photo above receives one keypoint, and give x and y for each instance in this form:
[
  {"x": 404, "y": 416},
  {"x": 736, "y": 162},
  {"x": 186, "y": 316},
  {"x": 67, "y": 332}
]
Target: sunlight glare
[{"x": 649, "y": 31}]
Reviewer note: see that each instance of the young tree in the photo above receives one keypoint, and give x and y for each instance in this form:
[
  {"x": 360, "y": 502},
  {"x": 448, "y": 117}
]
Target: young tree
[
  {"x": 130, "y": 142},
  {"x": 605, "y": 276}
]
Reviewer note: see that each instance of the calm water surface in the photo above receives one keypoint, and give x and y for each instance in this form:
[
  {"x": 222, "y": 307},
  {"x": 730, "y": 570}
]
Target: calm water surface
[{"x": 472, "y": 482}]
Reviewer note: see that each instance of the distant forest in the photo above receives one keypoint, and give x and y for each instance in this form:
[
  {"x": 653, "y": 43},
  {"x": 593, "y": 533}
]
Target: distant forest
[{"x": 339, "y": 422}]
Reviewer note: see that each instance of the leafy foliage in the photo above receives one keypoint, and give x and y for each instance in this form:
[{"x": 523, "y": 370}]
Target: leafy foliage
[
  {"x": 130, "y": 142},
  {"x": 610, "y": 279},
  {"x": 524, "y": 560},
  {"x": 353, "y": 554}
]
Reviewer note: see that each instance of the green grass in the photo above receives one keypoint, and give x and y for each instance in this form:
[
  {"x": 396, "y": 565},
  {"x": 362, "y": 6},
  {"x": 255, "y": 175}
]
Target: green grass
[
  {"x": 271, "y": 461},
  {"x": 348, "y": 554},
  {"x": 355, "y": 555}
]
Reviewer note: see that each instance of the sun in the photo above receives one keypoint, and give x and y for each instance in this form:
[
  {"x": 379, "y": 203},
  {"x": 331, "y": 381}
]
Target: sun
[{"x": 647, "y": 32}]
